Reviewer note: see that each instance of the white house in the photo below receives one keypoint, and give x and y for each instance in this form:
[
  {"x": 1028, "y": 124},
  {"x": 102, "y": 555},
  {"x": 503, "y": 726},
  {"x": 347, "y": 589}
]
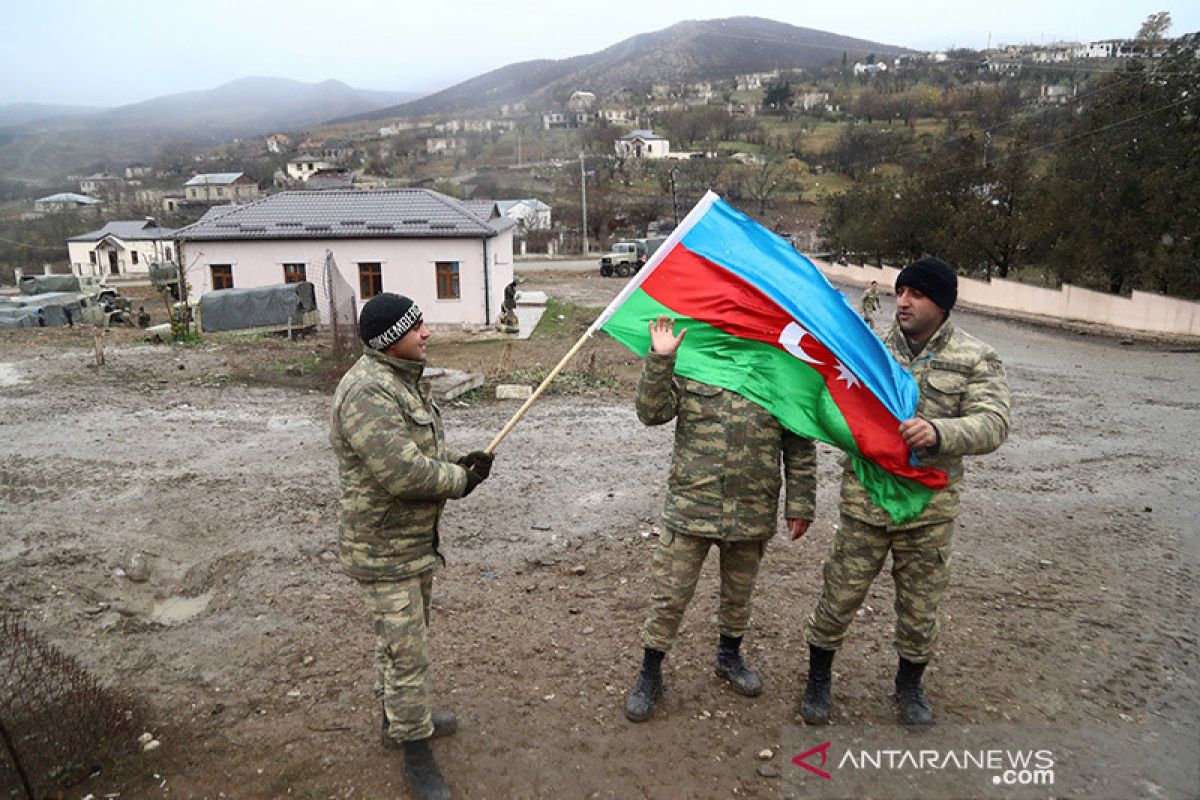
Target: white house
[
  {"x": 451, "y": 260},
  {"x": 869, "y": 69},
  {"x": 301, "y": 168},
  {"x": 123, "y": 247},
  {"x": 220, "y": 187},
  {"x": 530, "y": 214},
  {"x": 436, "y": 145},
  {"x": 642, "y": 144}
]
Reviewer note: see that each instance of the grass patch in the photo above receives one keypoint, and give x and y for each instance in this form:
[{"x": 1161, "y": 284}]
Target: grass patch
[{"x": 564, "y": 318}]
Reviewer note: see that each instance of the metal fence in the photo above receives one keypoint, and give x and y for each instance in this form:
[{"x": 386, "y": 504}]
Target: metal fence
[
  {"x": 339, "y": 311},
  {"x": 58, "y": 724}
]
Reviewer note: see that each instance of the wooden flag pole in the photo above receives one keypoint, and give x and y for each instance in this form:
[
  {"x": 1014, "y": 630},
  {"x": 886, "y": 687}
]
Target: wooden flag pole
[{"x": 491, "y": 448}]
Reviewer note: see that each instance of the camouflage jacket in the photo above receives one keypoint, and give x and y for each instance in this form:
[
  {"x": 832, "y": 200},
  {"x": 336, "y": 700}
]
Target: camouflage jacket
[
  {"x": 869, "y": 302},
  {"x": 395, "y": 470},
  {"x": 725, "y": 480},
  {"x": 963, "y": 392}
]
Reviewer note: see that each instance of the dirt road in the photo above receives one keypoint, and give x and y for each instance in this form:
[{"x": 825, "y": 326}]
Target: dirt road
[{"x": 172, "y": 526}]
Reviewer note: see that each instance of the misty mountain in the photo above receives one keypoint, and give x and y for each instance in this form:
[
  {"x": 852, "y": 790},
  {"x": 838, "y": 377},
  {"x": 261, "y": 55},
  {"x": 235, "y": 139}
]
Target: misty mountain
[
  {"x": 47, "y": 145},
  {"x": 705, "y": 49},
  {"x": 22, "y": 113},
  {"x": 249, "y": 106}
]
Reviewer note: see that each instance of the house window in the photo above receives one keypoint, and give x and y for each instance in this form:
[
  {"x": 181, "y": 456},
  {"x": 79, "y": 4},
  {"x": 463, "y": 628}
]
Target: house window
[
  {"x": 167, "y": 252},
  {"x": 133, "y": 256},
  {"x": 222, "y": 276},
  {"x": 447, "y": 280},
  {"x": 370, "y": 279},
  {"x": 92, "y": 256},
  {"x": 220, "y": 192},
  {"x": 294, "y": 273}
]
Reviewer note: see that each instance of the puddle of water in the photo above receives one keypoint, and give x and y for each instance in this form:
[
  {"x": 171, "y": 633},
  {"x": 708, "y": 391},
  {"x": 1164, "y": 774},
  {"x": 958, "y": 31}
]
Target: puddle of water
[{"x": 175, "y": 610}]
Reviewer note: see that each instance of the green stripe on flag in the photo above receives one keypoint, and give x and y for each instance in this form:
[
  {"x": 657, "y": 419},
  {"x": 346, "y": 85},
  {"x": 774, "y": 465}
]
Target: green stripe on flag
[{"x": 792, "y": 391}]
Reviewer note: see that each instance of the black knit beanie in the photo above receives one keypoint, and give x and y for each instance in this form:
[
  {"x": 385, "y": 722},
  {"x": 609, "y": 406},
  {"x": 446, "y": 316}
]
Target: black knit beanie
[
  {"x": 386, "y": 318},
  {"x": 933, "y": 278}
]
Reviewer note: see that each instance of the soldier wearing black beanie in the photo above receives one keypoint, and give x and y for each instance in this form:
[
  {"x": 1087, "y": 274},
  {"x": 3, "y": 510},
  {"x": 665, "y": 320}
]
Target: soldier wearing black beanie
[
  {"x": 933, "y": 278},
  {"x": 962, "y": 410},
  {"x": 386, "y": 318}
]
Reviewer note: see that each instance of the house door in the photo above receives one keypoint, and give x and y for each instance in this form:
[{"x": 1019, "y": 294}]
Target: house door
[{"x": 113, "y": 269}]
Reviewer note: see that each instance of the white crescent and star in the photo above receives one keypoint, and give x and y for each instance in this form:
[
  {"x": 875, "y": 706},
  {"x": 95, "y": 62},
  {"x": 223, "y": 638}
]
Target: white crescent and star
[{"x": 791, "y": 338}]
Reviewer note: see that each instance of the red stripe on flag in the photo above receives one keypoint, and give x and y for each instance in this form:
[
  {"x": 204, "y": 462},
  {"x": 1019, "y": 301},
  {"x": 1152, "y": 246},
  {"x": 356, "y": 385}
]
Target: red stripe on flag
[{"x": 695, "y": 287}]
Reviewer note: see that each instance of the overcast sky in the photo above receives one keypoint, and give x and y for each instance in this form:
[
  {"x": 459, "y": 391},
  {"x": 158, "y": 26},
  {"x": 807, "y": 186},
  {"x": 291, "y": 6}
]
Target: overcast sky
[{"x": 111, "y": 52}]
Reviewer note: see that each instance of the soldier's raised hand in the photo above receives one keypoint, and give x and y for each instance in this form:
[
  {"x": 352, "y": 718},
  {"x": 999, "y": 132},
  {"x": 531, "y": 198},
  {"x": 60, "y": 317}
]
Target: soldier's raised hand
[{"x": 662, "y": 335}]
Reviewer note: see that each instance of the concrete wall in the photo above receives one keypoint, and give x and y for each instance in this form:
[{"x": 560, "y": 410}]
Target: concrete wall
[
  {"x": 408, "y": 268},
  {"x": 1143, "y": 311}
]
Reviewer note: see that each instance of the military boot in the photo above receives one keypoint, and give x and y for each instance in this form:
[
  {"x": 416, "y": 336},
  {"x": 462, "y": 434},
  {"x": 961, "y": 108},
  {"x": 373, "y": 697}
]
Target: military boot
[
  {"x": 914, "y": 706},
  {"x": 444, "y": 724},
  {"x": 731, "y": 667},
  {"x": 425, "y": 780},
  {"x": 649, "y": 687},
  {"x": 816, "y": 703}
]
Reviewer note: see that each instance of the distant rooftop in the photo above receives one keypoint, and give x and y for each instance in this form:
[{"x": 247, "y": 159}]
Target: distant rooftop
[
  {"x": 214, "y": 179},
  {"x": 130, "y": 230},
  {"x": 69, "y": 197},
  {"x": 642, "y": 135},
  {"x": 346, "y": 214}
]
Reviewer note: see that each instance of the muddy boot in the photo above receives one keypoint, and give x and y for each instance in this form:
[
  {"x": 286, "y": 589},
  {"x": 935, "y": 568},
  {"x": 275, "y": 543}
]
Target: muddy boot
[
  {"x": 914, "y": 706},
  {"x": 731, "y": 667},
  {"x": 425, "y": 780},
  {"x": 648, "y": 688},
  {"x": 816, "y": 703},
  {"x": 444, "y": 724}
]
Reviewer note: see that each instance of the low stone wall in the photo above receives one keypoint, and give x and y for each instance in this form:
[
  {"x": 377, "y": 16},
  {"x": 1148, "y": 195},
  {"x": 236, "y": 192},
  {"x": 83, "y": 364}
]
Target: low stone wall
[{"x": 1143, "y": 311}]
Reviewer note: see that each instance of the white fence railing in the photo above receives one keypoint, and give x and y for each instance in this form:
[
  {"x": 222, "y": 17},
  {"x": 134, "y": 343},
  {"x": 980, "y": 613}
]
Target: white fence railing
[{"x": 1143, "y": 311}]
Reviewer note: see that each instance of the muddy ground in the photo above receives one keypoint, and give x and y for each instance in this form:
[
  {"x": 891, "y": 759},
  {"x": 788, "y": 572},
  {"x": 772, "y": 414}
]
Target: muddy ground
[{"x": 204, "y": 473}]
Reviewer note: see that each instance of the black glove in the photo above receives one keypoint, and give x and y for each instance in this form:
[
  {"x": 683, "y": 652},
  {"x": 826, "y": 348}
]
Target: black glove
[
  {"x": 478, "y": 462},
  {"x": 473, "y": 480}
]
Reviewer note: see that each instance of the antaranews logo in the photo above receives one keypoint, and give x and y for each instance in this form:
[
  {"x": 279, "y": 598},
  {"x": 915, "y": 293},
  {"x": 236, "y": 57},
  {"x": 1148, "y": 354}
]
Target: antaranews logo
[
  {"x": 821, "y": 750},
  {"x": 1008, "y": 768}
]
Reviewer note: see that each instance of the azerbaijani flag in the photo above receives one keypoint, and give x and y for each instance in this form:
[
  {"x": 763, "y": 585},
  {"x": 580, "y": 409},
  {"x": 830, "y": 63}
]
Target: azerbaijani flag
[{"x": 764, "y": 322}]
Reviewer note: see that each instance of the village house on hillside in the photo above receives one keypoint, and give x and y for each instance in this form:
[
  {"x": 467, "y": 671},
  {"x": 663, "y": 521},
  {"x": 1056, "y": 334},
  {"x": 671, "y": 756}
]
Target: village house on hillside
[
  {"x": 453, "y": 261},
  {"x": 301, "y": 168},
  {"x": 642, "y": 144},
  {"x": 529, "y": 213},
  {"x": 66, "y": 201},
  {"x": 122, "y": 247},
  {"x": 221, "y": 187},
  {"x": 102, "y": 184}
]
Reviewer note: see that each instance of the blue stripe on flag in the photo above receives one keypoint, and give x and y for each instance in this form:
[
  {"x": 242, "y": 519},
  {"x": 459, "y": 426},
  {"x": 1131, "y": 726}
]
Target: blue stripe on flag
[{"x": 730, "y": 239}]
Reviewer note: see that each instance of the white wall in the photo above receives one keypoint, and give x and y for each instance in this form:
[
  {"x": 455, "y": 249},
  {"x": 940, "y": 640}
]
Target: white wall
[
  {"x": 407, "y": 268},
  {"x": 148, "y": 250},
  {"x": 1143, "y": 311}
]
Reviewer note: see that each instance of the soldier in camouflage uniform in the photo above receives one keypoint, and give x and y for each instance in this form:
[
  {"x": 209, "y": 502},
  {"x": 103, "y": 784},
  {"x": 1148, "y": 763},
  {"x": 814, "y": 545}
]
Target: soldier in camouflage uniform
[
  {"x": 869, "y": 303},
  {"x": 963, "y": 410},
  {"x": 724, "y": 491},
  {"x": 396, "y": 475}
]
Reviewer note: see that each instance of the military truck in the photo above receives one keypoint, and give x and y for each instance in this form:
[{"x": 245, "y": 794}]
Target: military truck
[
  {"x": 53, "y": 301},
  {"x": 628, "y": 256}
]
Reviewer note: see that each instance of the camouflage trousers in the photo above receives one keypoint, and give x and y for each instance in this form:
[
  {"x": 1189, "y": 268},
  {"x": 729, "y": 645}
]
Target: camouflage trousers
[
  {"x": 920, "y": 570},
  {"x": 677, "y": 562},
  {"x": 400, "y": 610}
]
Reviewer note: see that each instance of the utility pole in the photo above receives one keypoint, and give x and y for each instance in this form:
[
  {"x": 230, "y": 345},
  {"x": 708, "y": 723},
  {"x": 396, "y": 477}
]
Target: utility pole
[
  {"x": 583, "y": 193},
  {"x": 674, "y": 203}
]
